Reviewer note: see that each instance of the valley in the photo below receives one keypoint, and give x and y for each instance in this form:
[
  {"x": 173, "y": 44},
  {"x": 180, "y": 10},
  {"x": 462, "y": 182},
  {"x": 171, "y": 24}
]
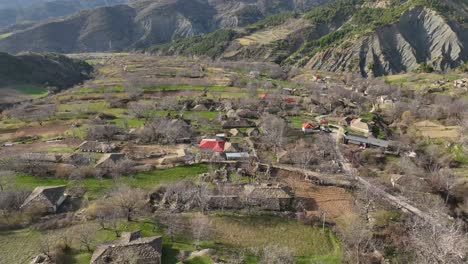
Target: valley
[{"x": 233, "y": 132}]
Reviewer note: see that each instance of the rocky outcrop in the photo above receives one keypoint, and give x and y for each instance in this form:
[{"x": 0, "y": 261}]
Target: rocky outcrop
[{"x": 420, "y": 36}]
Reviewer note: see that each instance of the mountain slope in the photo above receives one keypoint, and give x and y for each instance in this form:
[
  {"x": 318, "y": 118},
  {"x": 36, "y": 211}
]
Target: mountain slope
[
  {"x": 359, "y": 36},
  {"x": 38, "y": 11},
  {"x": 144, "y": 23},
  {"x": 42, "y": 69}
]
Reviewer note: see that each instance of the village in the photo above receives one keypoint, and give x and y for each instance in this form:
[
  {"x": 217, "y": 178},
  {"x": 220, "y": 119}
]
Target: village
[{"x": 197, "y": 140}]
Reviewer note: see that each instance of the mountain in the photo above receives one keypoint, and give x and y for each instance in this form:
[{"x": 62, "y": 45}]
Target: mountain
[
  {"x": 42, "y": 69},
  {"x": 41, "y": 10},
  {"x": 143, "y": 23},
  {"x": 371, "y": 38},
  {"x": 368, "y": 37}
]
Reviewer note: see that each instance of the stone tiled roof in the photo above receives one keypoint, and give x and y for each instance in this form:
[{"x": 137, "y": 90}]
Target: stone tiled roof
[
  {"x": 143, "y": 250},
  {"x": 95, "y": 146},
  {"x": 267, "y": 192},
  {"x": 51, "y": 193}
]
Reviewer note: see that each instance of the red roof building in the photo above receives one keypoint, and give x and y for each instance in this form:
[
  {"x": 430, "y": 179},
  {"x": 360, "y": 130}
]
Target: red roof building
[
  {"x": 289, "y": 100},
  {"x": 324, "y": 122},
  {"x": 215, "y": 145},
  {"x": 307, "y": 126}
]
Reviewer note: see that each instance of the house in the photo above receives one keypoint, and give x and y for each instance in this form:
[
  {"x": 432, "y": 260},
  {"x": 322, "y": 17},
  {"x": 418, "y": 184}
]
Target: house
[
  {"x": 95, "y": 146},
  {"x": 289, "y": 100},
  {"x": 237, "y": 155},
  {"x": 323, "y": 122},
  {"x": 254, "y": 74},
  {"x": 365, "y": 142},
  {"x": 236, "y": 132},
  {"x": 239, "y": 123},
  {"x": 268, "y": 197},
  {"x": 309, "y": 128},
  {"x": 216, "y": 145},
  {"x": 359, "y": 126},
  {"x": 221, "y": 135},
  {"x": 42, "y": 259},
  {"x": 41, "y": 157},
  {"x": 231, "y": 147},
  {"x": 110, "y": 160},
  {"x": 253, "y": 132},
  {"x": 49, "y": 198},
  {"x": 82, "y": 159},
  {"x": 346, "y": 121},
  {"x": 316, "y": 77},
  {"x": 225, "y": 202},
  {"x": 130, "y": 248}
]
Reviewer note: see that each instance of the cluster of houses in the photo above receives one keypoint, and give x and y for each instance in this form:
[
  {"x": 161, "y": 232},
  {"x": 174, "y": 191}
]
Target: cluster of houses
[
  {"x": 311, "y": 127},
  {"x": 50, "y": 199},
  {"x": 220, "y": 144},
  {"x": 461, "y": 83}
]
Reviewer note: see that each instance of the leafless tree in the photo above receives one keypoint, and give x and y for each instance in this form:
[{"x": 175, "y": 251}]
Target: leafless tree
[
  {"x": 142, "y": 110},
  {"x": 438, "y": 243},
  {"x": 273, "y": 132},
  {"x": 185, "y": 195},
  {"x": 444, "y": 181},
  {"x": 86, "y": 236},
  {"x": 6, "y": 179},
  {"x": 274, "y": 254},
  {"x": 357, "y": 235},
  {"x": 129, "y": 200},
  {"x": 173, "y": 223},
  {"x": 201, "y": 228},
  {"x": 133, "y": 87},
  {"x": 103, "y": 132},
  {"x": 10, "y": 202},
  {"x": 29, "y": 113},
  {"x": 165, "y": 131}
]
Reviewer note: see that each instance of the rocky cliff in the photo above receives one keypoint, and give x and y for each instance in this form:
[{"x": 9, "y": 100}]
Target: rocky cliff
[{"x": 420, "y": 36}]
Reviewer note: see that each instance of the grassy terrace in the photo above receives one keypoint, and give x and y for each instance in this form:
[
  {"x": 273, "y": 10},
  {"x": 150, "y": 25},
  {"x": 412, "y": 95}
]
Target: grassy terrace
[
  {"x": 32, "y": 90},
  {"x": 96, "y": 187},
  {"x": 5, "y": 35},
  {"x": 231, "y": 231}
]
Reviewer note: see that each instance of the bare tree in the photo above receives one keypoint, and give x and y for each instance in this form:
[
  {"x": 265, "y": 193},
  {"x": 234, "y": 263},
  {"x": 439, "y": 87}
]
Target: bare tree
[
  {"x": 103, "y": 132},
  {"x": 133, "y": 87},
  {"x": 6, "y": 179},
  {"x": 201, "y": 228},
  {"x": 86, "y": 236},
  {"x": 444, "y": 181},
  {"x": 173, "y": 223},
  {"x": 273, "y": 132},
  {"x": 29, "y": 113},
  {"x": 165, "y": 131},
  {"x": 438, "y": 243},
  {"x": 356, "y": 234},
  {"x": 142, "y": 110},
  {"x": 130, "y": 201},
  {"x": 274, "y": 254}
]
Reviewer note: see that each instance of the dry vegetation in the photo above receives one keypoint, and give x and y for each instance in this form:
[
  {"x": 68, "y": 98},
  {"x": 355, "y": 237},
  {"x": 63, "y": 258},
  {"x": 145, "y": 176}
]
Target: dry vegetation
[{"x": 155, "y": 110}]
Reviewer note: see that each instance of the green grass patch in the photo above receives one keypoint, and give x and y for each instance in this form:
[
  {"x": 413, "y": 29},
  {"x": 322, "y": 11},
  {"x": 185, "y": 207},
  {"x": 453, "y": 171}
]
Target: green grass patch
[
  {"x": 5, "y": 35},
  {"x": 33, "y": 91},
  {"x": 185, "y": 87},
  {"x": 96, "y": 187},
  {"x": 199, "y": 260},
  {"x": 309, "y": 243}
]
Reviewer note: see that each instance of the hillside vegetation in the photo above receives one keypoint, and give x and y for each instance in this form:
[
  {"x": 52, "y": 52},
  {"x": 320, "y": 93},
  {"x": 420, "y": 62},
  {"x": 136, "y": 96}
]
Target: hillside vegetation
[{"x": 365, "y": 37}]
